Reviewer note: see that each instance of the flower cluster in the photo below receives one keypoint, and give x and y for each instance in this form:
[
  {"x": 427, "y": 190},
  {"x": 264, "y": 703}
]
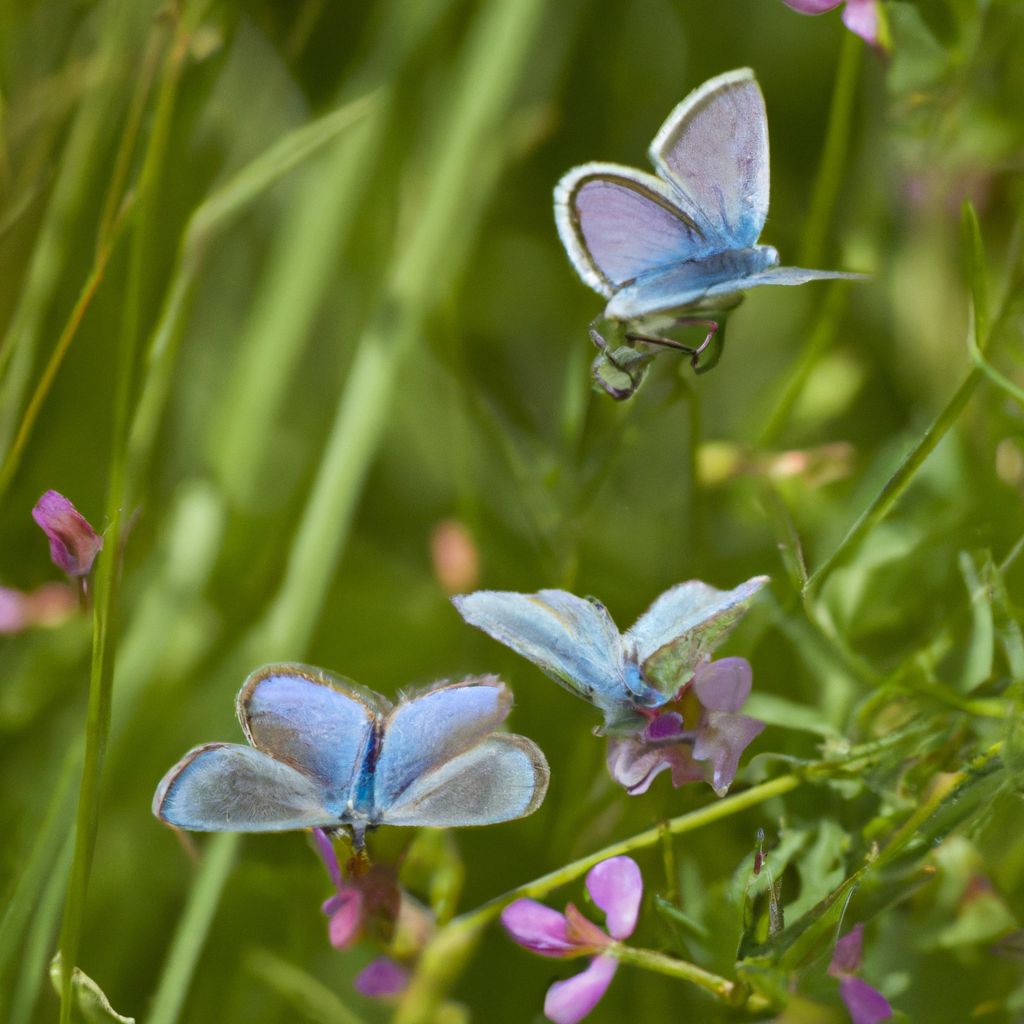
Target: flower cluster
[{"x": 697, "y": 736}]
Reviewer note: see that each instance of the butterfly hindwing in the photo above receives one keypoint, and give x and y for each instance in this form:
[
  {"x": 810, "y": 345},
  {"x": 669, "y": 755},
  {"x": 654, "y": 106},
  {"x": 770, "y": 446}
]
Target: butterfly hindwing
[
  {"x": 617, "y": 223},
  {"x": 227, "y": 787},
  {"x": 502, "y": 778}
]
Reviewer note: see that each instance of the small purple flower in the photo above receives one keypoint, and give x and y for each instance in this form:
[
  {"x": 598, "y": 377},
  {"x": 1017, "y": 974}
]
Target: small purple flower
[
  {"x": 861, "y": 16},
  {"x": 74, "y": 544},
  {"x": 866, "y": 1005},
  {"x": 616, "y": 886},
  {"x": 709, "y": 751},
  {"x": 381, "y": 978}
]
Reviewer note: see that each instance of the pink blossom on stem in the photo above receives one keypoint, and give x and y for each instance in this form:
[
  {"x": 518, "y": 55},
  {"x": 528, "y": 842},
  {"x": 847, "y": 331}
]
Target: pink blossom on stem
[
  {"x": 74, "y": 544},
  {"x": 616, "y": 887}
]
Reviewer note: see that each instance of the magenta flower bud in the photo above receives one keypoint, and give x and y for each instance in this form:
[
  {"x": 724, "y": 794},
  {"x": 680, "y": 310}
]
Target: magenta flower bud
[{"x": 74, "y": 544}]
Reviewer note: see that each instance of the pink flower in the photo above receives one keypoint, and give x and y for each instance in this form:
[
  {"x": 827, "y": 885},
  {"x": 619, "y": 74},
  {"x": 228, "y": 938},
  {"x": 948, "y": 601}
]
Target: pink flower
[
  {"x": 861, "y": 16},
  {"x": 616, "y": 886},
  {"x": 49, "y": 605},
  {"x": 371, "y": 897},
  {"x": 381, "y": 978},
  {"x": 74, "y": 544},
  {"x": 865, "y": 1004},
  {"x": 709, "y": 749}
]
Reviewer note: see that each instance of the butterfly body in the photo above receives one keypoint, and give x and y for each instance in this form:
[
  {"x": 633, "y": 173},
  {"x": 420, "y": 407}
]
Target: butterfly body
[
  {"x": 684, "y": 238},
  {"x": 326, "y": 753}
]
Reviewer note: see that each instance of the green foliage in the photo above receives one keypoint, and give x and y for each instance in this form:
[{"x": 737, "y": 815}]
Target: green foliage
[{"x": 282, "y": 295}]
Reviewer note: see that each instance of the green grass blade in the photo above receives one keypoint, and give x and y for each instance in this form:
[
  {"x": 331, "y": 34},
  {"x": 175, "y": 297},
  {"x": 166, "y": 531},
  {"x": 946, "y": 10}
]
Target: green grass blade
[
  {"x": 193, "y": 927},
  {"x": 307, "y": 996}
]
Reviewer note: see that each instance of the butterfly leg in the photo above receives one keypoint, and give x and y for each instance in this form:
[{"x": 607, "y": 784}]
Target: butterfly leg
[
  {"x": 633, "y": 370},
  {"x": 693, "y": 353}
]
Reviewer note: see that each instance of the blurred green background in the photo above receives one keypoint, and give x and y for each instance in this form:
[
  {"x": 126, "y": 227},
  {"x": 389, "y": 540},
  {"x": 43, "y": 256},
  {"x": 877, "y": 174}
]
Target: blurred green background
[{"x": 313, "y": 251}]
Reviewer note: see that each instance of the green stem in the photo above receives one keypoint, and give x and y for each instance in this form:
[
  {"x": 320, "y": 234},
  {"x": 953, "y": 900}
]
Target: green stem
[
  {"x": 108, "y": 567},
  {"x": 834, "y": 156},
  {"x": 651, "y": 960},
  {"x": 897, "y": 483},
  {"x": 60, "y": 350}
]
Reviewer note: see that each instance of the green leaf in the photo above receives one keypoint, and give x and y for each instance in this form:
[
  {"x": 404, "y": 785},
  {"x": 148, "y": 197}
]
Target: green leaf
[
  {"x": 89, "y": 1003},
  {"x": 977, "y": 666}
]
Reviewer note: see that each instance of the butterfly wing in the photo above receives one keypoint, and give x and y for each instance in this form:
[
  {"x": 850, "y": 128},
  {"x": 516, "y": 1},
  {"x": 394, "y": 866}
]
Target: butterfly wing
[
  {"x": 308, "y": 719},
  {"x": 571, "y": 639},
  {"x": 684, "y": 626},
  {"x": 686, "y": 285},
  {"x": 227, "y": 787},
  {"x": 782, "y": 276},
  {"x": 617, "y": 223},
  {"x": 502, "y": 778},
  {"x": 713, "y": 149},
  {"x": 428, "y": 730}
]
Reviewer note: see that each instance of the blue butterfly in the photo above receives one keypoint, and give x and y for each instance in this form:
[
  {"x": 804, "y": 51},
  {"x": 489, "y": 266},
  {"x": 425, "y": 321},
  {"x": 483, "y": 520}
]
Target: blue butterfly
[
  {"x": 326, "y": 753},
  {"x": 574, "y": 641},
  {"x": 684, "y": 240}
]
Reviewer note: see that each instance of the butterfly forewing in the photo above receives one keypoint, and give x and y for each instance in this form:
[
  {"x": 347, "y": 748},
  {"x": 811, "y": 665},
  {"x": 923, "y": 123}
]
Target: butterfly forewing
[
  {"x": 307, "y": 718},
  {"x": 713, "y": 149},
  {"x": 571, "y": 639},
  {"x": 502, "y": 778},
  {"x": 227, "y": 787},
  {"x": 617, "y": 223},
  {"x": 428, "y": 730},
  {"x": 684, "y": 626}
]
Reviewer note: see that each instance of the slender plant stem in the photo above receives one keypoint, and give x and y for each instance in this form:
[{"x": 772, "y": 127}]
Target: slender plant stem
[
  {"x": 651, "y": 960},
  {"x": 108, "y": 566},
  {"x": 834, "y": 156},
  {"x": 897, "y": 483},
  {"x": 60, "y": 350}
]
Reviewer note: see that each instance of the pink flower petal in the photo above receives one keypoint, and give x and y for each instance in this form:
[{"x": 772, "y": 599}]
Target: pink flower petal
[
  {"x": 866, "y": 1004},
  {"x": 634, "y": 764},
  {"x": 74, "y": 544},
  {"x": 325, "y": 848},
  {"x": 664, "y": 726},
  {"x": 346, "y": 917},
  {"x": 848, "y": 953},
  {"x": 617, "y": 887},
  {"x": 381, "y": 977},
  {"x": 537, "y": 928},
  {"x": 861, "y": 16},
  {"x": 812, "y": 6},
  {"x": 723, "y": 685},
  {"x": 569, "y": 1001},
  {"x": 721, "y": 739}
]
